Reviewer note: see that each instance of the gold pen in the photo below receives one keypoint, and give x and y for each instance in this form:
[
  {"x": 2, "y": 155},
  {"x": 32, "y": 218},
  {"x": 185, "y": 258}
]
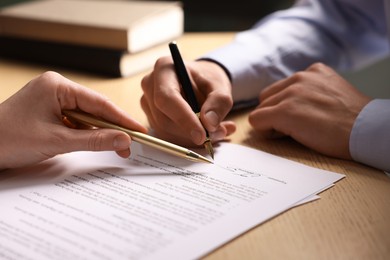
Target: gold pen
[
  {"x": 139, "y": 137},
  {"x": 186, "y": 85}
]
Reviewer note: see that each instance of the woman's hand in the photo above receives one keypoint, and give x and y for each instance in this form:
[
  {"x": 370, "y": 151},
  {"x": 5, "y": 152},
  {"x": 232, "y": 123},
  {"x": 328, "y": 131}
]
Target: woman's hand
[{"x": 32, "y": 129}]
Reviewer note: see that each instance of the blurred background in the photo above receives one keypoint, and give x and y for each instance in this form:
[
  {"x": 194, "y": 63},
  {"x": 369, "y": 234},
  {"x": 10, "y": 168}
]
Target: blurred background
[
  {"x": 222, "y": 15},
  {"x": 217, "y": 15}
]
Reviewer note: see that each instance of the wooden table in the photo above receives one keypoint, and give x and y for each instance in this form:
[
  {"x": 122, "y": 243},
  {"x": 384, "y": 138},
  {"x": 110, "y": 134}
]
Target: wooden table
[{"x": 350, "y": 221}]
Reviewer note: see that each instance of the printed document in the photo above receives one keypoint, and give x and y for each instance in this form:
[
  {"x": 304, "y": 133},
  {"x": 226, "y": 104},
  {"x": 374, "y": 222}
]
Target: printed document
[{"x": 96, "y": 205}]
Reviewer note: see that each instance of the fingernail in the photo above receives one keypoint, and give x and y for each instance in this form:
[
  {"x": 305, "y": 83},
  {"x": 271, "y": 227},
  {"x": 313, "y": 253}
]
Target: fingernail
[
  {"x": 121, "y": 142},
  {"x": 196, "y": 136},
  {"x": 212, "y": 118}
]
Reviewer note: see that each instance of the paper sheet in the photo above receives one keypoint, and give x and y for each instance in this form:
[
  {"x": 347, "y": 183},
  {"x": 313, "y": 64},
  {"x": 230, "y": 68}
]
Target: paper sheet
[{"x": 87, "y": 205}]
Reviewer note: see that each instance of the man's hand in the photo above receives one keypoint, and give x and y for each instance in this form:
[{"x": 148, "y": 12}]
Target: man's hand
[{"x": 316, "y": 107}]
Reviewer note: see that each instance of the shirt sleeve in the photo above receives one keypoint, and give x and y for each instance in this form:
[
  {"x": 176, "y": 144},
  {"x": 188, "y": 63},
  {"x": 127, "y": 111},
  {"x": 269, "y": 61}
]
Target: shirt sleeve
[
  {"x": 344, "y": 34},
  {"x": 370, "y": 137}
]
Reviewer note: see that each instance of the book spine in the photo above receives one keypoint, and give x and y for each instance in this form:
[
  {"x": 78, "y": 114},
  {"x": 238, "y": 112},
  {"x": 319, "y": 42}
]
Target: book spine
[
  {"x": 90, "y": 59},
  {"x": 84, "y": 35}
]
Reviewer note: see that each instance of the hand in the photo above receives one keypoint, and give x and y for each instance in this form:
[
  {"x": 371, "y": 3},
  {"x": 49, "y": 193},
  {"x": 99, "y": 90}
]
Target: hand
[
  {"x": 316, "y": 107},
  {"x": 169, "y": 114},
  {"x": 32, "y": 130}
]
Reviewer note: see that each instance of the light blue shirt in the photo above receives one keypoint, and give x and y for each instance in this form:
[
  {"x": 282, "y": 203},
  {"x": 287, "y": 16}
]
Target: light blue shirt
[{"x": 344, "y": 34}]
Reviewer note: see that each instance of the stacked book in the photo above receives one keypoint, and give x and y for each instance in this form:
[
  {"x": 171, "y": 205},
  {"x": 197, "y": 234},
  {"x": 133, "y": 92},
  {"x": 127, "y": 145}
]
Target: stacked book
[{"x": 115, "y": 38}]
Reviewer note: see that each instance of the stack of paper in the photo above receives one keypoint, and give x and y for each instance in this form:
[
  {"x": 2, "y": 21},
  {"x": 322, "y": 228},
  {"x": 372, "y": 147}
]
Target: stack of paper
[{"x": 87, "y": 205}]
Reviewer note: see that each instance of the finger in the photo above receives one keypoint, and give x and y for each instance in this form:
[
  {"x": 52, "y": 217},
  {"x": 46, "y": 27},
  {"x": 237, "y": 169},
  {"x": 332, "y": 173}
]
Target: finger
[
  {"x": 214, "y": 92},
  {"x": 146, "y": 108},
  {"x": 160, "y": 122},
  {"x": 163, "y": 94},
  {"x": 124, "y": 153},
  {"x": 225, "y": 129},
  {"x": 267, "y": 122},
  {"x": 181, "y": 115},
  {"x": 74, "y": 96},
  {"x": 215, "y": 108},
  {"x": 282, "y": 84},
  {"x": 147, "y": 85},
  {"x": 230, "y": 127},
  {"x": 321, "y": 68},
  {"x": 276, "y": 98},
  {"x": 163, "y": 127},
  {"x": 274, "y": 88},
  {"x": 301, "y": 76},
  {"x": 169, "y": 100},
  {"x": 147, "y": 99},
  {"x": 94, "y": 140}
]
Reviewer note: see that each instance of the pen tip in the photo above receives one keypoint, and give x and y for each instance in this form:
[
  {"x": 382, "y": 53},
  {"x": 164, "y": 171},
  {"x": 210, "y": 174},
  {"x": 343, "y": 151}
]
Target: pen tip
[
  {"x": 209, "y": 148},
  {"x": 197, "y": 157},
  {"x": 208, "y": 160},
  {"x": 204, "y": 159}
]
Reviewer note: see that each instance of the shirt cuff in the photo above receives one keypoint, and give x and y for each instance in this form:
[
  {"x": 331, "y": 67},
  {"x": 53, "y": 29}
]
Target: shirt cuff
[{"x": 370, "y": 136}]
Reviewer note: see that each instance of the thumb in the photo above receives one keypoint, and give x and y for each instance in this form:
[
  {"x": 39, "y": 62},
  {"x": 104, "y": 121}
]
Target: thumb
[
  {"x": 215, "y": 109},
  {"x": 96, "y": 140}
]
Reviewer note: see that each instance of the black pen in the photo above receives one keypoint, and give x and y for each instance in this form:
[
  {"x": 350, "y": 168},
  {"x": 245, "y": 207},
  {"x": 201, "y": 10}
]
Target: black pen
[{"x": 186, "y": 85}]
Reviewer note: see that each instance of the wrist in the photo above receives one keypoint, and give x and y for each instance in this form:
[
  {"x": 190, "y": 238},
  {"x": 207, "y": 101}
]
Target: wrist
[{"x": 221, "y": 66}]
